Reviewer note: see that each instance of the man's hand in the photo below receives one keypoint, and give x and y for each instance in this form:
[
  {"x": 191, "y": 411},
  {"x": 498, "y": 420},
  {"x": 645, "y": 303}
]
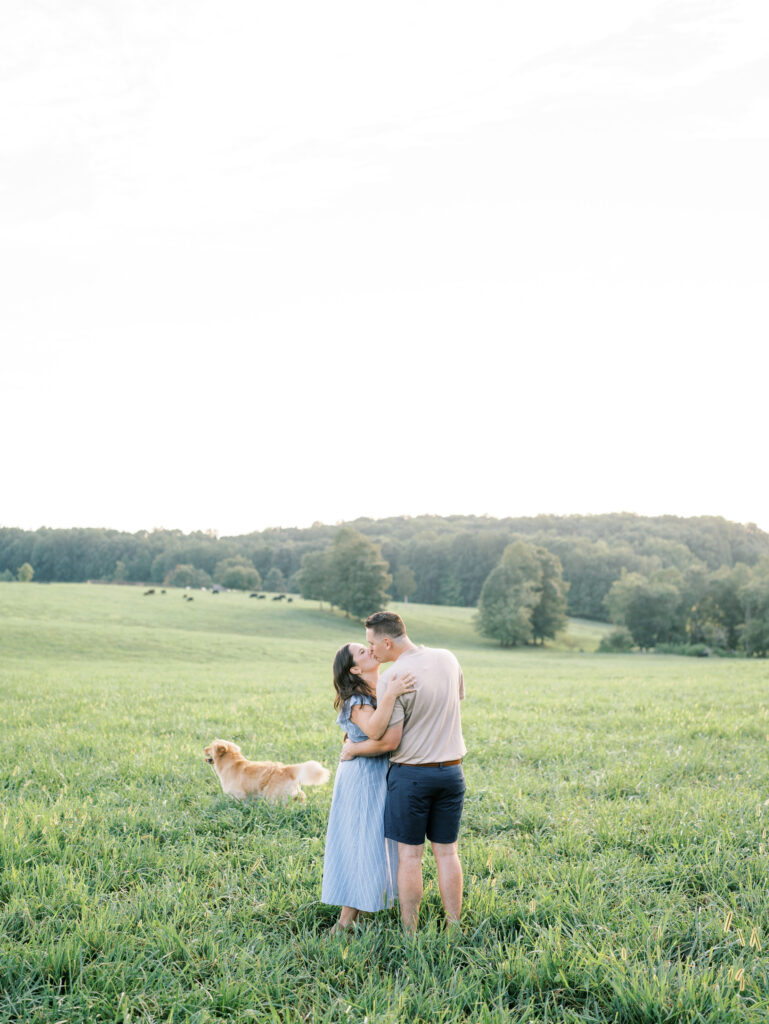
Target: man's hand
[{"x": 348, "y": 751}]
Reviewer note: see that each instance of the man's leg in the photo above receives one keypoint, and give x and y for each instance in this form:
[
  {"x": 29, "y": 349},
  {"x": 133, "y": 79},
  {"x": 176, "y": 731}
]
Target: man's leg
[
  {"x": 410, "y": 883},
  {"x": 449, "y": 879}
]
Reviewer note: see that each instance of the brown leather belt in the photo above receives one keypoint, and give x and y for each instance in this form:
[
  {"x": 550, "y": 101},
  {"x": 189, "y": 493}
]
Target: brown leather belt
[{"x": 430, "y": 764}]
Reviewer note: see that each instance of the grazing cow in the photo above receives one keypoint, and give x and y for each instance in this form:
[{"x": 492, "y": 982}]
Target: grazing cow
[
  {"x": 147, "y": 592},
  {"x": 162, "y": 591},
  {"x": 262, "y": 597},
  {"x": 253, "y": 595},
  {"x": 289, "y": 599}
]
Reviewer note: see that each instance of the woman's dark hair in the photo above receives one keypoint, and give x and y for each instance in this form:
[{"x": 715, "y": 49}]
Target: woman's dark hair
[{"x": 345, "y": 682}]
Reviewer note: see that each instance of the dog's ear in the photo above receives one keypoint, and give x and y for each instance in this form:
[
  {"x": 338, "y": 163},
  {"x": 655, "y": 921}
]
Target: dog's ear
[{"x": 219, "y": 747}]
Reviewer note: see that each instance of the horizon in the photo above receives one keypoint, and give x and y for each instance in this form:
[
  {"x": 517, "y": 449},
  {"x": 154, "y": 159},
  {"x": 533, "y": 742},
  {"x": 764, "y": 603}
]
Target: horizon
[{"x": 220, "y": 535}]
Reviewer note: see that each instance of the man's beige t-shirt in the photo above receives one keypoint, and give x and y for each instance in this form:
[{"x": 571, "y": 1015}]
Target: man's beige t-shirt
[{"x": 432, "y": 730}]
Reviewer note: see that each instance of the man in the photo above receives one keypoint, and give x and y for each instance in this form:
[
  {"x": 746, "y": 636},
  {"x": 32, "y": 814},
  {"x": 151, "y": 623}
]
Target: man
[{"x": 425, "y": 781}]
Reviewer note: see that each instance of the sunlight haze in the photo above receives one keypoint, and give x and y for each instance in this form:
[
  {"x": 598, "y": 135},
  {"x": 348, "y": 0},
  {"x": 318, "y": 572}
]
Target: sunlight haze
[{"x": 270, "y": 264}]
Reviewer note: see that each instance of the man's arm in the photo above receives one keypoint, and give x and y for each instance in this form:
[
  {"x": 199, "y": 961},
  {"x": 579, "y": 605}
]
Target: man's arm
[{"x": 371, "y": 748}]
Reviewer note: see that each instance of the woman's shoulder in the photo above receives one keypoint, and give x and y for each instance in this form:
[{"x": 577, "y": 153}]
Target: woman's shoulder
[
  {"x": 346, "y": 709},
  {"x": 357, "y": 698}
]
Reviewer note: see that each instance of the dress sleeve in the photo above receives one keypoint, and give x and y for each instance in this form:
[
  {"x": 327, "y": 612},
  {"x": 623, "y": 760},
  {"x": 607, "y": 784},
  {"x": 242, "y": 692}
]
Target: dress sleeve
[
  {"x": 343, "y": 718},
  {"x": 357, "y": 698}
]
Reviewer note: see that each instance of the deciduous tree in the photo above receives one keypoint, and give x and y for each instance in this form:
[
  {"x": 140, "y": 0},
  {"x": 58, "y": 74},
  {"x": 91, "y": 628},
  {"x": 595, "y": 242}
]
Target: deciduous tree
[
  {"x": 357, "y": 574},
  {"x": 755, "y": 632},
  {"x": 509, "y": 596},
  {"x": 237, "y": 574},
  {"x": 524, "y": 599},
  {"x": 549, "y": 613},
  {"x": 314, "y": 577},
  {"x": 275, "y": 581},
  {"x": 404, "y": 583},
  {"x": 186, "y": 576},
  {"x": 649, "y": 609}
]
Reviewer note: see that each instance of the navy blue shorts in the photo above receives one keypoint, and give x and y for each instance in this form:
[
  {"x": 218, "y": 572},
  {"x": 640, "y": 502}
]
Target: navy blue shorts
[{"x": 424, "y": 802}]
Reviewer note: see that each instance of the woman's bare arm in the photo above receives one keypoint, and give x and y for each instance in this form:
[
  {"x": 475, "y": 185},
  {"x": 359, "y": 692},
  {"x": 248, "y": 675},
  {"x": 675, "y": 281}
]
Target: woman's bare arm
[{"x": 374, "y": 723}]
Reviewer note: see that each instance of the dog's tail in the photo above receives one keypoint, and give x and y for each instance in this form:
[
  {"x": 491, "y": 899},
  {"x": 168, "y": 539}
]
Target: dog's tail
[{"x": 311, "y": 773}]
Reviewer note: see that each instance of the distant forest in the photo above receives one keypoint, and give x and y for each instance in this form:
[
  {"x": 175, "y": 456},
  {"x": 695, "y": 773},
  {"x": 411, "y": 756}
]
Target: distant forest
[{"x": 432, "y": 559}]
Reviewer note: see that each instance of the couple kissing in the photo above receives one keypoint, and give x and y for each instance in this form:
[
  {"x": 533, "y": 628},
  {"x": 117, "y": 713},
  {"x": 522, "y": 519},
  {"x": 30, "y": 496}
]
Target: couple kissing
[{"x": 400, "y": 778}]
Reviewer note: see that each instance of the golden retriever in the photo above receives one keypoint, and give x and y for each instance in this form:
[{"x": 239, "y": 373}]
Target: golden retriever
[{"x": 242, "y": 778}]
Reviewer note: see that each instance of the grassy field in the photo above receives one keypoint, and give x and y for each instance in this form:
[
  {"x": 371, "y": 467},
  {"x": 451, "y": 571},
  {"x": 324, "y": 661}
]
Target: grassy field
[{"x": 614, "y": 840}]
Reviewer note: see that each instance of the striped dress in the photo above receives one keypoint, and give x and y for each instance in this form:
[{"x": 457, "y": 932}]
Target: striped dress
[{"x": 360, "y": 865}]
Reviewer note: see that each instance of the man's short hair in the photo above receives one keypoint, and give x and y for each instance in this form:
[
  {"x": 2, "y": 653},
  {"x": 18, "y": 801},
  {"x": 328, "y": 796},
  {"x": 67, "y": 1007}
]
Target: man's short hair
[{"x": 386, "y": 624}]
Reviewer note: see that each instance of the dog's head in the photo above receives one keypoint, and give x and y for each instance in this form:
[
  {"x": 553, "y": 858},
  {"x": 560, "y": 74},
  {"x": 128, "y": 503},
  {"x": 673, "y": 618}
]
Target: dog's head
[{"x": 215, "y": 751}]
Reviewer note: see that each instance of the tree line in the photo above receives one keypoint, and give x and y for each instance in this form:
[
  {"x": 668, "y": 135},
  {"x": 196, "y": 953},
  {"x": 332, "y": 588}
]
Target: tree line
[
  {"x": 522, "y": 601},
  {"x": 430, "y": 559},
  {"x": 692, "y": 611}
]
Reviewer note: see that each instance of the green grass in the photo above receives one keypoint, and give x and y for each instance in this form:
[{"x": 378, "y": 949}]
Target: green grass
[{"x": 616, "y": 814}]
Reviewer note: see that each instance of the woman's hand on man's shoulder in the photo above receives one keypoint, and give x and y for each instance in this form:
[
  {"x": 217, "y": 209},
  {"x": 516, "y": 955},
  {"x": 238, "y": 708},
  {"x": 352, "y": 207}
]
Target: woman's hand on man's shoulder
[{"x": 402, "y": 684}]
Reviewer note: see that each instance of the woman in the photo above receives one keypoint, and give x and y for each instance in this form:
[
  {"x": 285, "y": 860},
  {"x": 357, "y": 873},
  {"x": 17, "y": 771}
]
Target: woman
[{"x": 360, "y": 866}]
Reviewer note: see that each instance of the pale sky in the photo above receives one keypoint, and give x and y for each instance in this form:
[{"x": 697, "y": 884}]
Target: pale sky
[{"x": 266, "y": 263}]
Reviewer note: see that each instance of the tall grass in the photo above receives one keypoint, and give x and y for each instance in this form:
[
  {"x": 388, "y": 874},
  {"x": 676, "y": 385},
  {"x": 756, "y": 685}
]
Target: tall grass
[{"x": 614, "y": 840}]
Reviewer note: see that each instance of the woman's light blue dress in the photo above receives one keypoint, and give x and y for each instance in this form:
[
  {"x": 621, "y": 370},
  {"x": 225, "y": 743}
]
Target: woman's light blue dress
[{"x": 360, "y": 866}]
